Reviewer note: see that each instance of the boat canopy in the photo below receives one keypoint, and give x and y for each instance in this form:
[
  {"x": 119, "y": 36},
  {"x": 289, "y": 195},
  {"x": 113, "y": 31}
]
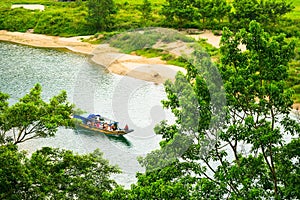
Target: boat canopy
[{"x": 93, "y": 116}]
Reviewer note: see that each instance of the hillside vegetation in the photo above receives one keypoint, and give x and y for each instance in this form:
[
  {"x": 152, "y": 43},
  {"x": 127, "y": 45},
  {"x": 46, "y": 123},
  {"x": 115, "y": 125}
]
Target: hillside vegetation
[{"x": 70, "y": 18}]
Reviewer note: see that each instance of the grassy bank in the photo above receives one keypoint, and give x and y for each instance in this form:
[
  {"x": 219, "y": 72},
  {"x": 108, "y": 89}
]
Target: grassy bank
[
  {"x": 69, "y": 18},
  {"x": 59, "y": 18}
]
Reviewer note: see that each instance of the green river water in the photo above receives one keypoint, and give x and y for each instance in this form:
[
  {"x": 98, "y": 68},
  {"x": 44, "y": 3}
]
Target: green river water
[{"x": 92, "y": 88}]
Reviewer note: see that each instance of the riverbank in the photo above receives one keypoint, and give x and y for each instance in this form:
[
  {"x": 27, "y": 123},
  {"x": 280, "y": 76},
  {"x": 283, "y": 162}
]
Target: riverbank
[
  {"x": 154, "y": 70},
  {"x": 44, "y": 41}
]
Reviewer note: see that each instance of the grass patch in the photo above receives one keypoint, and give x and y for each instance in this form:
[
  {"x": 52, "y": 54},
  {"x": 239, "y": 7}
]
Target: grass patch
[
  {"x": 18, "y": 19},
  {"x": 146, "y": 38},
  {"x": 149, "y": 52},
  {"x": 132, "y": 41},
  {"x": 179, "y": 61},
  {"x": 169, "y": 58},
  {"x": 58, "y": 18},
  {"x": 209, "y": 48}
]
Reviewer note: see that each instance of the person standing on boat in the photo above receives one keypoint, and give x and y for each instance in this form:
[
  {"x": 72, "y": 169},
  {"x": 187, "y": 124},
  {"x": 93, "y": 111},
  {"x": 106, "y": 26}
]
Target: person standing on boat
[
  {"x": 98, "y": 117},
  {"x": 126, "y": 128},
  {"x": 105, "y": 126},
  {"x": 114, "y": 126},
  {"x": 89, "y": 123},
  {"x": 93, "y": 120},
  {"x": 98, "y": 124}
]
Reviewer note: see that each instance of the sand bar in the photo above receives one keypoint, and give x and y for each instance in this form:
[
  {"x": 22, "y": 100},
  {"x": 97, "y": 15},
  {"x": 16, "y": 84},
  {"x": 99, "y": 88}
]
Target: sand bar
[{"x": 153, "y": 70}]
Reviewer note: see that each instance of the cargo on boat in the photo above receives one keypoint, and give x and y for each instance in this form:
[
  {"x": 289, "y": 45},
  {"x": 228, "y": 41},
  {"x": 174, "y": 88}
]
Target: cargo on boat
[{"x": 96, "y": 122}]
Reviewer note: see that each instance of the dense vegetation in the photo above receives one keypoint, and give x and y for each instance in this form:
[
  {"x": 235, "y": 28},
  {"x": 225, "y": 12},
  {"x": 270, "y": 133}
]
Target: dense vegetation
[
  {"x": 229, "y": 139},
  {"x": 76, "y": 18},
  {"x": 53, "y": 174}
]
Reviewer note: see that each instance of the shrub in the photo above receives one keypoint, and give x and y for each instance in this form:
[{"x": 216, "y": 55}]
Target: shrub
[
  {"x": 18, "y": 19},
  {"x": 62, "y": 22}
]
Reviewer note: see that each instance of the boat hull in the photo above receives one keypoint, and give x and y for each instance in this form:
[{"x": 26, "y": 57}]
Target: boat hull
[{"x": 107, "y": 132}]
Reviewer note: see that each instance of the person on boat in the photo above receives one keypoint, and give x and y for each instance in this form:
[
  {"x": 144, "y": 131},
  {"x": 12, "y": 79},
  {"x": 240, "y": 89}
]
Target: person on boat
[
  {"x": 98, "y": 124},
  {"x": 89, "y": 123},
  {"x": 114, "y": 126},
  {"x": 105, "y": 126},
  {"x": 98, "y": 118},
  {"x": 126, "y": 128},
  {"x": 93, "y": 121},
  {"x": 102, "y": 126}
]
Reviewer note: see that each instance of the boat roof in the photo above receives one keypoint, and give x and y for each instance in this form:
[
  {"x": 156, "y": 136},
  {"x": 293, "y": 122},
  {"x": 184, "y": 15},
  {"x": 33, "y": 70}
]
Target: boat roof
[{"x": 92, "y": 115}]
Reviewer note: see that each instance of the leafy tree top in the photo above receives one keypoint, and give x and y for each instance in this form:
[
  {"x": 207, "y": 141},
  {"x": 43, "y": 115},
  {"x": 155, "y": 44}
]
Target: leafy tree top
[
  {"x": 32, "y": 117},
  {"x": 54, "y": 174},
  {"x": 246, "y": 154}
]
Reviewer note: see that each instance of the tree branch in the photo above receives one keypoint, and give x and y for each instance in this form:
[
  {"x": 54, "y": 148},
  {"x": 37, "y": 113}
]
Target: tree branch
[
  {"x": 19, "y": 135},
  {"x": 222, "y": 163},
  {"x": 29, "y": 138},
  {"x": 209, "y": 166},
  {"x": 271, "y": 169}
]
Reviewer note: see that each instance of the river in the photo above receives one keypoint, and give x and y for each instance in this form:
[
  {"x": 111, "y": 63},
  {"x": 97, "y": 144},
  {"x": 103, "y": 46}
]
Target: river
[{"x": 92, "y": 88}]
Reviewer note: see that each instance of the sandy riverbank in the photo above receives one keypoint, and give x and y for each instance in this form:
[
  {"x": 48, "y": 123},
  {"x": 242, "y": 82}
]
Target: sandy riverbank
[
  {"x": 153, "y": 70},
  {"x": 44, "y": 41}
]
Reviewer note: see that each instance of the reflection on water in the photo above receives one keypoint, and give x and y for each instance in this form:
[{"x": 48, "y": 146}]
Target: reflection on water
[
  {"x": 90, "y": 87},
  {"x": 119, "y": 139}
]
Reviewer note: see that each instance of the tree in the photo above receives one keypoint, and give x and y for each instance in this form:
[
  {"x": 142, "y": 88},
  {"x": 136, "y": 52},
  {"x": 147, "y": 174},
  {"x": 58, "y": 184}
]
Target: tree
[
  {"x": 212, "y": 9},
  {"x": 99, "y": 14},
  {"x": 220, "y": 9},
  {"x": 146, "y": 9},
  {"x": 205, "y": 9},
  {"x": 258, "y": 93},
  {"x": 275, "y": 9},
  {"x": 3, "y": 107},
  {"x": 53, "y": 174},
  {"x": 242, "y": 152},
  {"x": 181, "y": 11},
  {"x": 264, "y": 12},
  {"x": 14, "y": 177},
  {"x": 32, "y": 117}
]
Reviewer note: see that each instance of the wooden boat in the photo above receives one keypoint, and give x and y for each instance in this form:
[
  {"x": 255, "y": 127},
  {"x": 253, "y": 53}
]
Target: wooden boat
[{"x": 96, "y": 122}]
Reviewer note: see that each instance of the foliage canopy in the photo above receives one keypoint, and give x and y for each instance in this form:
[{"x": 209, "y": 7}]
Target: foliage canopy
[
  {"x": 53, "y": 174},
  {"x": 99, "y": 14},
  {"x": 32, "y": 117},
  {"x": 239, "y": 149}
]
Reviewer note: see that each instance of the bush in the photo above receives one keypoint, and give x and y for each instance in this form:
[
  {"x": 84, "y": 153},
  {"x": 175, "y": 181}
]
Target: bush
[
  {"x": 18, "y": 19},
  {"x": 62, "y": 22},
  {"x": 146, "y": 38},
  {"x": 132, "y": 41}
]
